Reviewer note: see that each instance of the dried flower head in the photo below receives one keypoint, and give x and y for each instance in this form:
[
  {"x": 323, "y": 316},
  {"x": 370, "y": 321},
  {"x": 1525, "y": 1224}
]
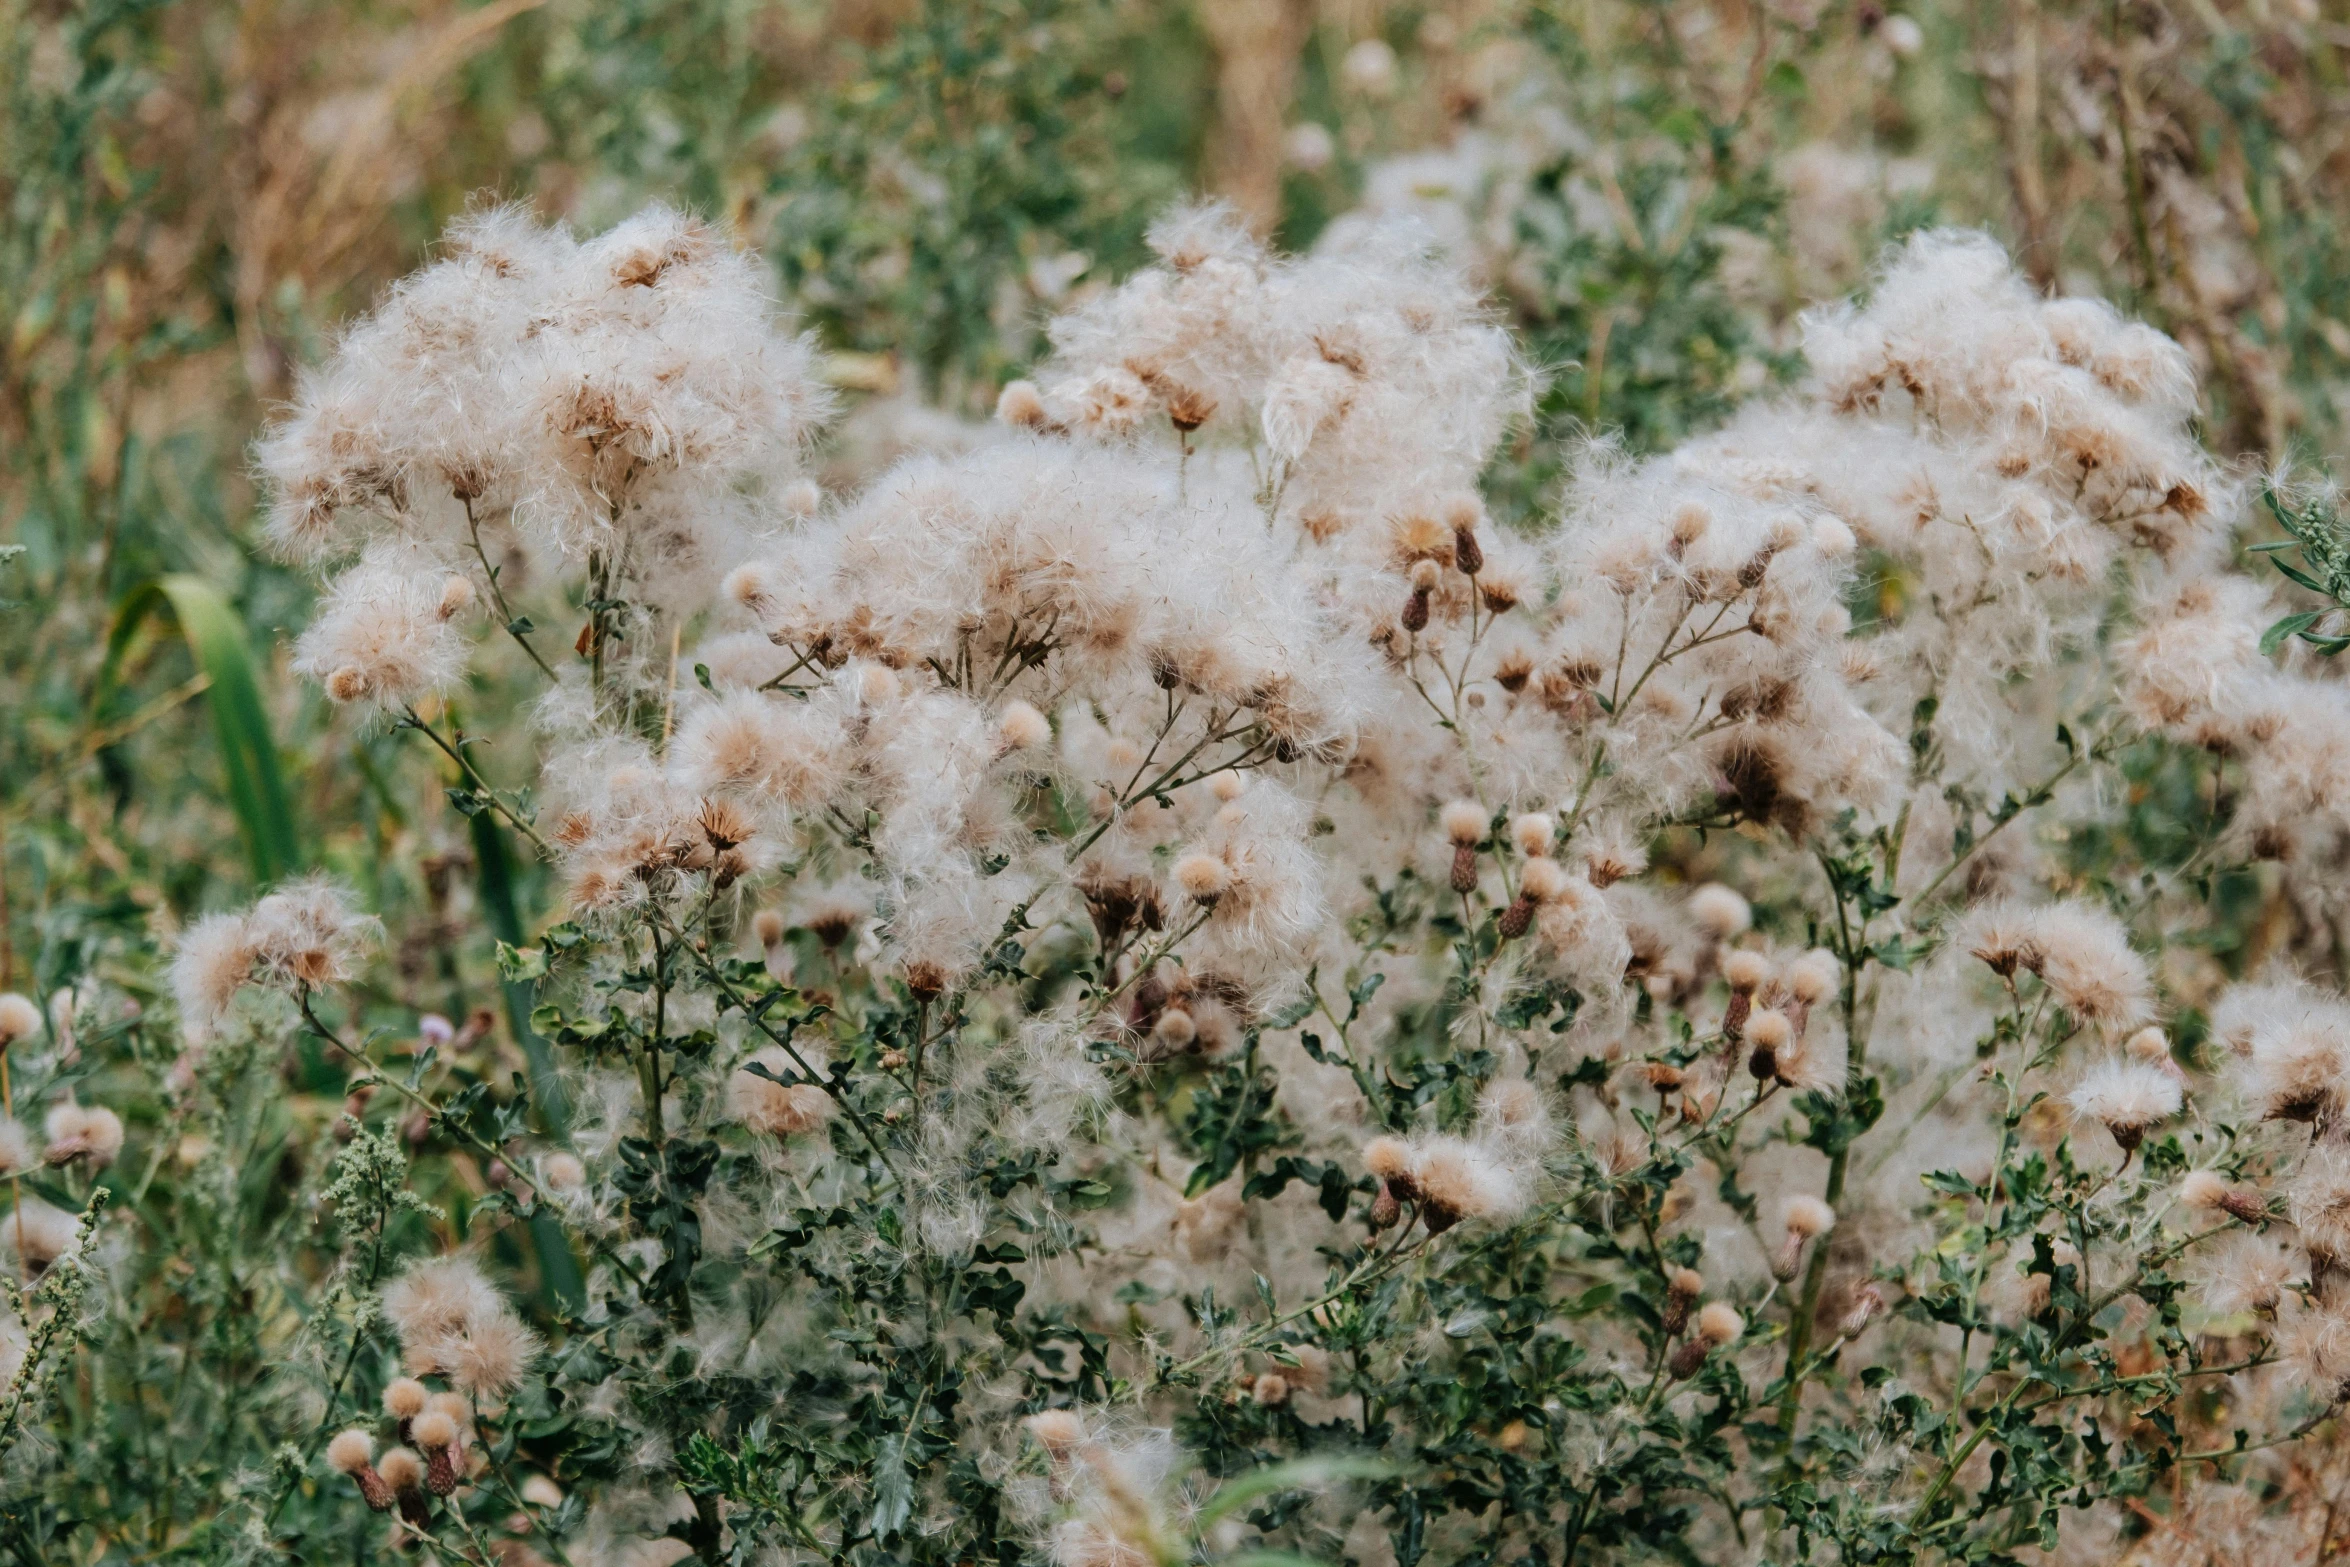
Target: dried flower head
[
  {"x": 1719, "y": 911},
  {"x": 775, "y": 1100},
  {"x": 90, "y": 1133},
  {"x": 19, "y": 1019},
  {"x": 2128, "y": 1097}
]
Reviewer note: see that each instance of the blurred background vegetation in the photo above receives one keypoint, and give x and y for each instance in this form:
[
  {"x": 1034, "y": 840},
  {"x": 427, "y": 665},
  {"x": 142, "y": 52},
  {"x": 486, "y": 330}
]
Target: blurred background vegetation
[{"x": 196, "y": 192}]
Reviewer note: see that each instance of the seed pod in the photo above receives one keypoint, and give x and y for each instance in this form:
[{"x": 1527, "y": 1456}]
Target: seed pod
[
  {"x": 1517, "y": 919},
  {"x": 1464, "y": 868},
  {"x": 1865, "y": 1308},
  {"x": 1467, "y": 557},
  {"x": 437, "y": 1433},
  {"x": 2245, "y": 1204},
  {"x": 1688, "y": 1355},
  {"x": 1415, "y": 611},
  {"x": 1385, "y": 1209},
  {"x": 1682, "y": 1287}
]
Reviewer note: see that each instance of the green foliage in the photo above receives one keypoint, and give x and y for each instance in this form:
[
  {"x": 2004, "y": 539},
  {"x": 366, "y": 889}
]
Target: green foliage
[
  {"x": 930, "y": 183},
  {"x": 248, "y": 751},
  {"x": 2314, "y": 530},
  {"x": 965, "y": 174}
]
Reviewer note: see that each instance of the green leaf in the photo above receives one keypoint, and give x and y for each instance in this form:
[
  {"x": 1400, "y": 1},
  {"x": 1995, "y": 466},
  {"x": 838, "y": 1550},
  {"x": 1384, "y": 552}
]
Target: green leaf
[
  {"x": 1296, "y": 1475},
  {"x": 2290, "y": 626},
  {"x": 1294, "y": 1013},
  {"x": 520, "y": 964},
  {"x": 893, "y": 1490},
  {"x": 217, "y": 638}
]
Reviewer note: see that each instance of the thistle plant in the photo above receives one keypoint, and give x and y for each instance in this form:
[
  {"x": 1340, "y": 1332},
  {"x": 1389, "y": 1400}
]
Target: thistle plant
[{"x": 1157, "y": 987}]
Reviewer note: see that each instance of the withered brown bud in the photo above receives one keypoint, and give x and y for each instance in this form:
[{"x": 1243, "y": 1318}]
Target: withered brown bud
[
  {"x": 1517, "y": 919},
  {"x": 1385, "y": 1210},
  {"x": 1464, "y": 868},
  {"x": 373, "y": 1490},
  {"x": 1468, "y": 557},
  {"x": 1678, "y": 1299},
  {"x": 1415, "y": 611},
  {"x": 2245, "y": 1204},
  {"x": 1688, "y": 1355}
]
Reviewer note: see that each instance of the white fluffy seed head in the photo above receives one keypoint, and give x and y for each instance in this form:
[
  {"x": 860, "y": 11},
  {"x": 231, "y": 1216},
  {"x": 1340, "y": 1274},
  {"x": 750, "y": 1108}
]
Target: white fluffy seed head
[
  {"x": 802, "y": 498},
  {"x": 1746, "y": 972},
  {"x": 350, "y": 1451},
  {"x": 1203, "y": 877},
  {"x": 1020, "y": 726},
  {"x": 1463, "y": 821},
  {"x": 1768, "y": 1029},
  {"x": 1387, "y": 1157},
  {"x": 779, "y": 1109},
  {"x": 1543, "y": 880},
  {"x": 402, "y": 1469},
  {"x": 2203, "y": 1189},
  {"x": 1812, "y": 978},
  {"x": 1534, "y": 834},
  {"x": 1809, "y": 1217},
  {"x": 433, "y": 1430},
  {"x": 751, "y": 585},
  {"x": 84, "y": 1132},
  {"x": 1021, "y": 404},
  {"x": 1719, "y": 911},
  {"x": 19, "y": 1019},
  {"x": 1057, "y": 1431},
  {"x": 1719, "y": 1323},
  {"x": 767, "y": 925},
  {"x": 1687, "y": 1283},
  {"x": 2127, "y": 1095},
  {"x": 404, "y": 1398}
]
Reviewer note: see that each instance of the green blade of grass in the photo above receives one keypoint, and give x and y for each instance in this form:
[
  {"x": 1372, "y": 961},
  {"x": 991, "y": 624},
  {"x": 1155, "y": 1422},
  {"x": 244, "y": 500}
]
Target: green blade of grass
[
  {"x": 559, "y": 1271},
  {"x": 217, "y": 639}
]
